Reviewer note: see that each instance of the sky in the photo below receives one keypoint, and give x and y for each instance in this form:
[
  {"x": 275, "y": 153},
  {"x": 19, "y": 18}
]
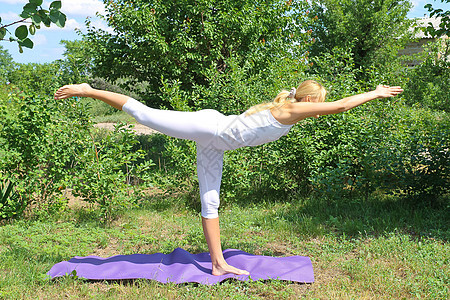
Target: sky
[{"x": 47, "y": 47}]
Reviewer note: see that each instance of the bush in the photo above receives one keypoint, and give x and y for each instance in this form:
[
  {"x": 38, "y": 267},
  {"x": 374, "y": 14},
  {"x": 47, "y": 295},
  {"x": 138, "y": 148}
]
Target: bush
[
  {"x": 413, "y": 158},
  {"x": 47, "y": 146},
  {"x": 104, "y": 170},
  {"x": 383, "y": 145},
  {"x": 40, "y": 137},
  {"x": 35, "y": 79},
  {"x": 11, "y": 204},
  {"x": 429, "y": 82}
]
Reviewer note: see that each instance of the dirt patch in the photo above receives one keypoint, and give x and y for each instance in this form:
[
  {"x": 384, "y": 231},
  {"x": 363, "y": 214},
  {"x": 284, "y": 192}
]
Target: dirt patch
[
  {"x": 162, "y": 232},
  {"x": 113, "y": 248},
  {"x": 77, "y": 202},
  {"x": 138, "y": 129},
  {"x": 279, "y": 249}
]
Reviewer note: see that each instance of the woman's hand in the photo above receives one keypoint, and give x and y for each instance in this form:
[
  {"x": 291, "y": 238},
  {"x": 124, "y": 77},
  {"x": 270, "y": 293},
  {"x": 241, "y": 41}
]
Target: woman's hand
[{"x": 386, "y": 91}]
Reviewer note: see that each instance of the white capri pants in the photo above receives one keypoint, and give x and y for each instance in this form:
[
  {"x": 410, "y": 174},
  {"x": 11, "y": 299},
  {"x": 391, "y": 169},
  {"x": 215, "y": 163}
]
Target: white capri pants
[{"x": 213, "y": 133}]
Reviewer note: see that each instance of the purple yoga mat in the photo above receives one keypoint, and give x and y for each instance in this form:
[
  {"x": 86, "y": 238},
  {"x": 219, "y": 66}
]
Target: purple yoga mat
[{"x": 181, "y": 266}]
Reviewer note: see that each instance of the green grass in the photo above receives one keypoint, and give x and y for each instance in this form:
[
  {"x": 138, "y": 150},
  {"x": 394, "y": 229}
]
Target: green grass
[{"x": 382, "y": 249}]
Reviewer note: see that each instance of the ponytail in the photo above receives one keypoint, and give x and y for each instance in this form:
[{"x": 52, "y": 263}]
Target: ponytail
[
  {"x": 278, "y": 102},
  {"x": 306, "y": 88}
]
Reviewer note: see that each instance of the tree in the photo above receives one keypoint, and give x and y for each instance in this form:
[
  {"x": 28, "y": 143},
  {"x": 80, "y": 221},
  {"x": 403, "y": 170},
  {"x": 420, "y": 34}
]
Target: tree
[
  {"x": 35, "y": 79},
  {"x": 6, "y": 64},
  {"x": 33, "y": 11},
  {"x": 77, "y": 63},
  {"x": 181, "y": 40},
  {"x": 444, "y": 27},
  {"x": 373, "y": 31}
]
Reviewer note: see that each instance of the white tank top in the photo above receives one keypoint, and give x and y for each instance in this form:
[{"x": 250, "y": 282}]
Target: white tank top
[{"x": 236, "y": 131}]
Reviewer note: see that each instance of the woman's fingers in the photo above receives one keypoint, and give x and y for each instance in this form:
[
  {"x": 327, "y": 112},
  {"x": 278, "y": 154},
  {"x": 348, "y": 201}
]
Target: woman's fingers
[
  {"x": 396, "y": 89},
  {"x": 385, "y": 91}
]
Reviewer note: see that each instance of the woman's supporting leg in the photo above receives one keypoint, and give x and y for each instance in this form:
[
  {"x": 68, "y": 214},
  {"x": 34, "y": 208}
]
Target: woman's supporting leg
[
  {"x": 209, "y": 171},
  {"x": 211, "y": 230}
]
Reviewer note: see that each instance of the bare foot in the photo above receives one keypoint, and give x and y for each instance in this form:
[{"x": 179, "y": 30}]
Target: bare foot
[
  {"x": 73, "y": 90},
  {"x": 226, "y": 269}
]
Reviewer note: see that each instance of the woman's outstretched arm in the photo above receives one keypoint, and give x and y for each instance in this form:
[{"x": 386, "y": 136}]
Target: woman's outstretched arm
[
  {"x": 382, "y": 91},
  {"x": 294, "y": 112},
  {"x": 85, "y": 90}
]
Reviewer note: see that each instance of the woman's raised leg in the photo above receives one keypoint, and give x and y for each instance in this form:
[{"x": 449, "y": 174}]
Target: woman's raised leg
[{"x": 199, "y": 126}]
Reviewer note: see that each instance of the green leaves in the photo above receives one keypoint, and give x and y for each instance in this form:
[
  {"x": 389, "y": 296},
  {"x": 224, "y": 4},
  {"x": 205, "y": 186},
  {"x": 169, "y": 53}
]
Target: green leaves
[
  {"x": 21, "y": 32},
  {"x": 181, "y": 40},
  {"x": 55, "y": 5},
  {"x": 36, "y": 19},
  {"x": 53, "y": 131},
  {"x": 2, "y": 33},
  {"x": 11, "y": 204},
  {"x": 33, "y": 10},
  {"x": 58, "y": 18},
  {"x": 36, "y": 2},
  {"x": 26, "y": 43},
  {"x": 29, "y": 9},
  {"x": 444, "y": 26},
  {"x": 372, "y": 30}
]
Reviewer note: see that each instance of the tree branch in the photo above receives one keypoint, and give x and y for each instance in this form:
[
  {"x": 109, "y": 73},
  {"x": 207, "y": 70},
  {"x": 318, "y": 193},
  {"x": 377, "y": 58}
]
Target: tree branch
[{"x": 7, "y": 25}]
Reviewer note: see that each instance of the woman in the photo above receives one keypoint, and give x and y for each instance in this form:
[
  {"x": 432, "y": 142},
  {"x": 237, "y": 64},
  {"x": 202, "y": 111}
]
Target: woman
[{"x": 214, "y": 133}]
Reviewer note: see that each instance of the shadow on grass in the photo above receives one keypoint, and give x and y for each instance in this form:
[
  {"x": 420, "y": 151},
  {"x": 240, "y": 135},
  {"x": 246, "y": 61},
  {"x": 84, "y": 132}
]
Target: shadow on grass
[
  {"x": 376, "y": 216},
  {"x": 315, "y": 216},
  {"x": 172, "y": 199}
]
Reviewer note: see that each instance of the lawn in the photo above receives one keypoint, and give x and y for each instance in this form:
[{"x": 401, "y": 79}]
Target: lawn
[{"x": 382, "y": 248}]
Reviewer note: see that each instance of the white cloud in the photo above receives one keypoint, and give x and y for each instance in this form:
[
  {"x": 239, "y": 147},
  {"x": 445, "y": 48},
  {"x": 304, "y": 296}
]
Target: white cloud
[
  {"x": 99, "y": 24},
  {"x": 84, "y": 8},
  {"x": 9, "y": 17},
  {"x": 418, "y": 3},
  {"x": 73, "y": 24},
  {"x": 14, "y": 1},
  {"x": 39, "y": 39}
]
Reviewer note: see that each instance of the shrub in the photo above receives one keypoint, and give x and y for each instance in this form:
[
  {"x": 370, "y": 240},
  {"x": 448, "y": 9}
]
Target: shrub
[
  {"x": 413, "y": 158},
  {"x": 429, "y": 82},
  {"x": 104, "y": 168},
  {"x": 48, "y": 145},
  {"x": 378, "y": 146},
  {"x": 35, "y": 79},
  {"x": 11, "y": 204},
  {"x": 39, "y": 137}
]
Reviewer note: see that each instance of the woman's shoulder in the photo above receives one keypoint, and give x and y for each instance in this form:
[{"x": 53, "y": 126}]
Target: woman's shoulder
[{"x": 284, "y": 115}]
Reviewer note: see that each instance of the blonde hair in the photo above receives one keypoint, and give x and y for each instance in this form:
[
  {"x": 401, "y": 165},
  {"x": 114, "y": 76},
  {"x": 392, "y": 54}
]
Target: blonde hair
[{"x": 307, "y": 88}]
